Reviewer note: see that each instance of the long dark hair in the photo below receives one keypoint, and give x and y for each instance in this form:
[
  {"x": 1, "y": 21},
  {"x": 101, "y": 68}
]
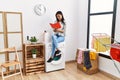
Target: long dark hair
[{"x": 63, "y": 20}]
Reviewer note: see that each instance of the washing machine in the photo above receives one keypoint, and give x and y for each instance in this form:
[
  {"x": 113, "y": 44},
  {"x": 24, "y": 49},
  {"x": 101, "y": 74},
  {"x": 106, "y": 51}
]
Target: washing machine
[{"x": 58, "y": 62}]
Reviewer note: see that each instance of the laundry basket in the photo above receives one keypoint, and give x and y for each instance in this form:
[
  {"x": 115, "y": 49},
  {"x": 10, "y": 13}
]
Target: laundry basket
[{"x": 94, "y": 63}]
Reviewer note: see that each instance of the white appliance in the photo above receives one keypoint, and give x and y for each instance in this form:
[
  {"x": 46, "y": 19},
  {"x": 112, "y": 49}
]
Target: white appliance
[{"x": 55, "y": 64}]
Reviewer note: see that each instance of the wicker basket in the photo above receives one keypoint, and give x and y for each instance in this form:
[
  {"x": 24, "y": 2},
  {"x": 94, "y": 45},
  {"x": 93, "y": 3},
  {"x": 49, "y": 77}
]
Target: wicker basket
[{"x": 94, "y": 63}]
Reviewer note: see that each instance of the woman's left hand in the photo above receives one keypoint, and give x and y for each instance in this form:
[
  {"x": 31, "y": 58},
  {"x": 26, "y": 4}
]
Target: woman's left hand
[
  {"x": 55, "y": 30},
  {"x": 58, "y": 30}
]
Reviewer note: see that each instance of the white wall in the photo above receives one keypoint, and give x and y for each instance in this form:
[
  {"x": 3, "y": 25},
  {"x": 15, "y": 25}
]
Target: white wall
[
  {"x": 117, "y": 30},
  {"x": 35, "y": 25},
  {"x": 83, "y": 15},
  {"x": 108, "y": 66}
]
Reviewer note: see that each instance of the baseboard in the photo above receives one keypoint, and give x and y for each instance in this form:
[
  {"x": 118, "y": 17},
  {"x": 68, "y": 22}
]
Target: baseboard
[
  {"x": 71, "y": 61},
  {"x": 109, "y": 75}
]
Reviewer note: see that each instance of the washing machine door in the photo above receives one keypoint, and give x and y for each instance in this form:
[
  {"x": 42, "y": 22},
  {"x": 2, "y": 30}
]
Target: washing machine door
[{"x": 58, "y": 59}]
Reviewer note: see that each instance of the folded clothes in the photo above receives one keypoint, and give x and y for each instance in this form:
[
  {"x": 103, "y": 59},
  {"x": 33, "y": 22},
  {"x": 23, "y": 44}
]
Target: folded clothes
[
  {"x": 79, "y": 59},
  {"x": 92, "y": 55},
  {"x": 115, "y": 52},
  {"x": 87, "y": 62}
]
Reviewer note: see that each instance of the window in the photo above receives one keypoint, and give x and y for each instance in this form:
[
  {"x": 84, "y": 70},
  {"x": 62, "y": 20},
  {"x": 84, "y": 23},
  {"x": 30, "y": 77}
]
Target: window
[{"x": 101, "y": 18}]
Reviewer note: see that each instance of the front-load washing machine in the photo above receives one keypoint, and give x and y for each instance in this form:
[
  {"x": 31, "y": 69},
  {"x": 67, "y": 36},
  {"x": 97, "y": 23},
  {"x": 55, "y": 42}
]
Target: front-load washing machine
[{"x": 58, "y": 61}]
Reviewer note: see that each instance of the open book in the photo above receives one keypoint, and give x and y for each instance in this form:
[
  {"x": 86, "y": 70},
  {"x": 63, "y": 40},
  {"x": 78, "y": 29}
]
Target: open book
[{"x": 55, "y": 25}]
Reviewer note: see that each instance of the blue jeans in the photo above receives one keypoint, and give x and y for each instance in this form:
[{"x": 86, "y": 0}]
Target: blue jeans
[{"x": 55, "y": 40}]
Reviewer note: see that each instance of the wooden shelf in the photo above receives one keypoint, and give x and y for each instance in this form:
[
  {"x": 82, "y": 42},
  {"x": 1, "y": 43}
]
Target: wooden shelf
[
  {"x": 33, "y": 65},
  {"x": 32, "y": 60}
]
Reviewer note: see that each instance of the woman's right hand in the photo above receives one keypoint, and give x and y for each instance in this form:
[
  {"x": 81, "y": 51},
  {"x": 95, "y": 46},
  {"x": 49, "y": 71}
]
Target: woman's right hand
[{"x": 55, "y": 30}]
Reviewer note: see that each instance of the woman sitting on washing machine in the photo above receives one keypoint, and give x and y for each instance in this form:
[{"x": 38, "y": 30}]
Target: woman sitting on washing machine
[{"x": 58, "y": 36}]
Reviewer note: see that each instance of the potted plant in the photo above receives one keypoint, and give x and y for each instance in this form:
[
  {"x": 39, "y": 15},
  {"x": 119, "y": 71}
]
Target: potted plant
[
  {"x": 33, "y": 40},
  {"x": 34, "y": 52}
]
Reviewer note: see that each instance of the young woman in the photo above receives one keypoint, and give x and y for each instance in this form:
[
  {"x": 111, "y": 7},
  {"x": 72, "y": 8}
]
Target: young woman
[{"x": 58, "y": 36}]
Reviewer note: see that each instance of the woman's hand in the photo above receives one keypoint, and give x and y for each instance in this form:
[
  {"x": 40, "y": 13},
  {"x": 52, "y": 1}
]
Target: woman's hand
[
  {"x": 58, "y": 30},
  {"x": 55, "y": 30}
]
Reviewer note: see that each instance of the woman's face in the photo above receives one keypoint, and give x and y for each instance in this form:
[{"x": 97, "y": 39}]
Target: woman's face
[{"x": 59, "y": 17}]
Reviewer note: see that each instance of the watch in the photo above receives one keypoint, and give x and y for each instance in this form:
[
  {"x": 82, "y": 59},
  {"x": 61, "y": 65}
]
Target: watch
[{"x": 39, "y": 9}]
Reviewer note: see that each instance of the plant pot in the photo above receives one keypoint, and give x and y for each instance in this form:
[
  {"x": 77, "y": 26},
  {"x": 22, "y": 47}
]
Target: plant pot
[{"x": 34, "y": 55}]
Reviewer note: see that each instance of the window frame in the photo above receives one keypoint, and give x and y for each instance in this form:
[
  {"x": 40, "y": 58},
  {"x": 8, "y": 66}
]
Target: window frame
[{"x": 102, "y": 13}]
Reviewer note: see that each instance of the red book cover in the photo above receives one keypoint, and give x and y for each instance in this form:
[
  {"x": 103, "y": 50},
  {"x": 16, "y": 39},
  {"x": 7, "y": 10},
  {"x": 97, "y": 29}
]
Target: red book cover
[{"x": 55, "y": 25}]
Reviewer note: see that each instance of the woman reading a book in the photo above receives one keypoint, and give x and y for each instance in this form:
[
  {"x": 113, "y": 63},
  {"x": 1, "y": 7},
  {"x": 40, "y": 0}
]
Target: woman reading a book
[{"x": 58, "y": 36}]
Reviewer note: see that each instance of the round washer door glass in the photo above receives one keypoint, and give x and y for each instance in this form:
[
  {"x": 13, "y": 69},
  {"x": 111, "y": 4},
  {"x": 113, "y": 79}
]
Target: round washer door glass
[{"x": 39, "y": 9}]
